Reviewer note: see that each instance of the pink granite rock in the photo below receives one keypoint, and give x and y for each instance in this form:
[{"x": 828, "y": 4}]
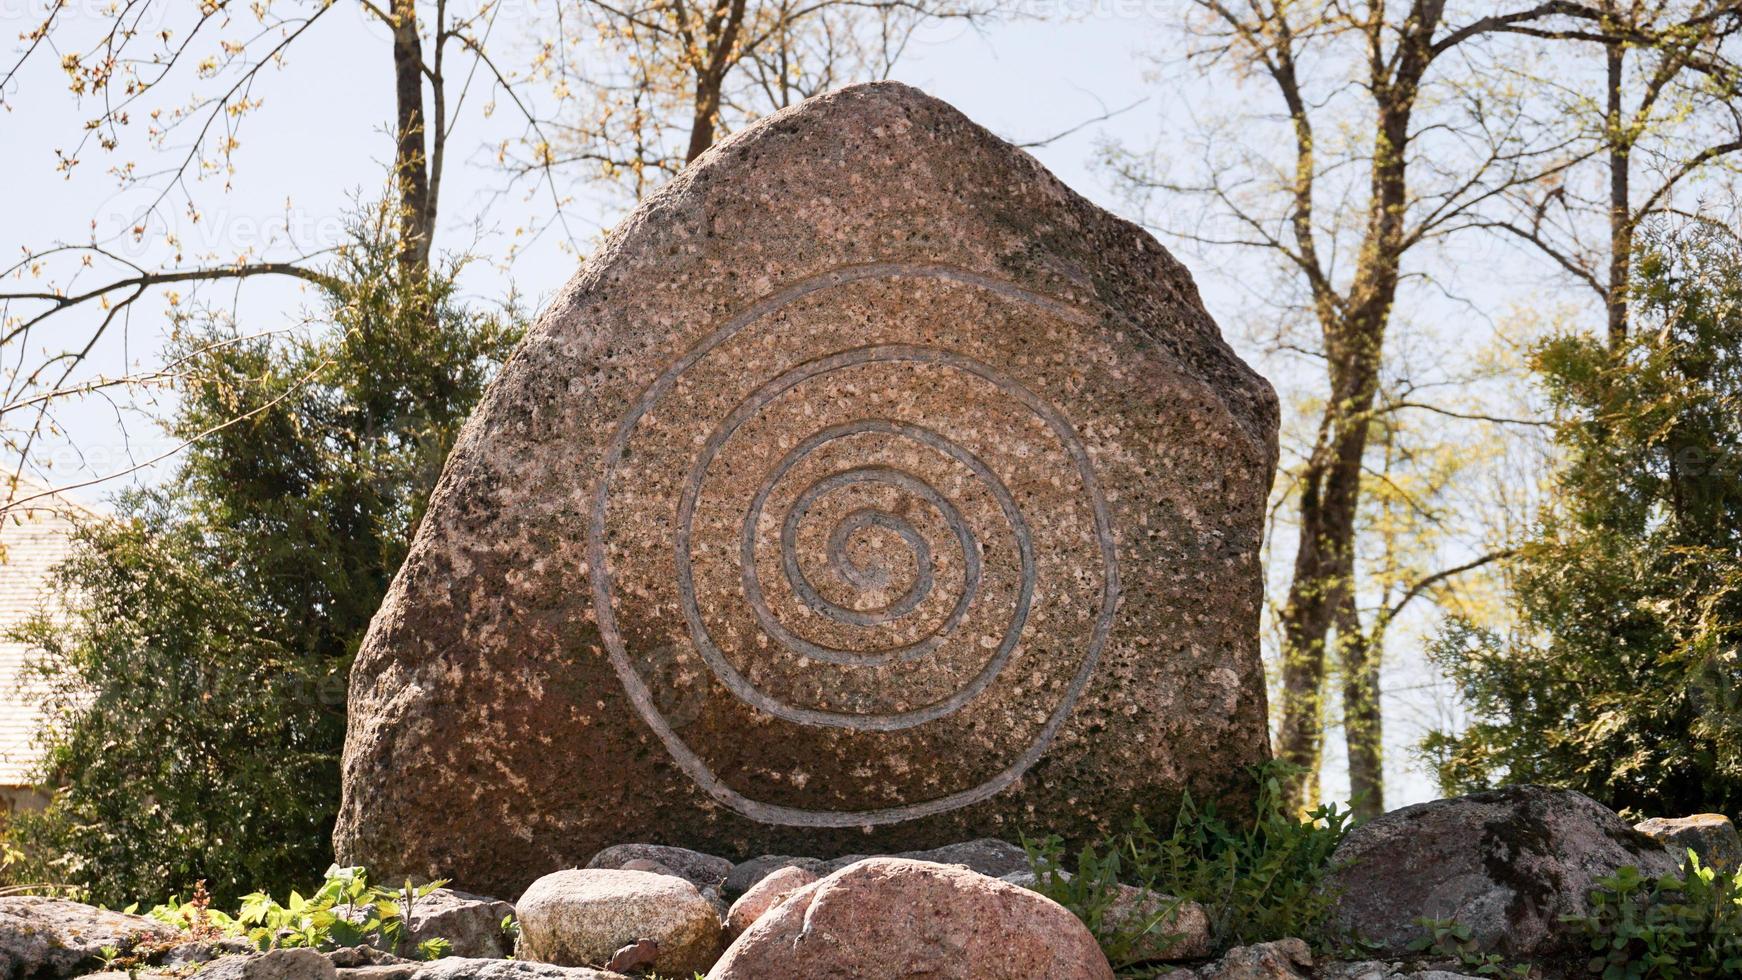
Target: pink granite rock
[
  {"x": 889, "y": 917},
  {"x": 867, "y": 490},
  {"x": 764, "y": 895}
]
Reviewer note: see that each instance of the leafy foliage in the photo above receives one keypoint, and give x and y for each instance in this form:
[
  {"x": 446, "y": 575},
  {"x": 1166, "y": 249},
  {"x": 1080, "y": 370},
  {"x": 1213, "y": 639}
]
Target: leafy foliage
[
  {"x": 345, "y": 911},
  {"x": 1668, "y": 928},
  {"x": 198, "y": 679},
  {"x": 1457, "y": 942},
  {"x": 1092, "y": 892},
  {"x": 1623, "y": 679},
  {"x": 1259, "y": 879}
]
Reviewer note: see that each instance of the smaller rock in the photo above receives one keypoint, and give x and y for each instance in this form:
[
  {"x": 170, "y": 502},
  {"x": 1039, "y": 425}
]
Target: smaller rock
[
  {"x": 938, "y": 921},
  {"x": 471, "y": 923},
  {"x": 1028, "y": 879},
  {"x": 352, "y": 957},
  {"x": 1710, "y": 835},
  {"x": 56, "y": 937},
  {"x": 464, "y": 968},
  {"x": 1180, "y": 930},
  {"x": 638, "y": 955},
  {"x": 989, "y": 856},
  {"x": 777, "y": 887},
  {"x": 583, "y": 917},
  {"x": 384, "y": 971},
  {"x": 745, "y": 875},
  {"x": 187, "y": 954},
  {"x": 277, "y": 964},
  {"x": 1189, "y": 923},
  {"x": 1367, "y": 970},
  {"x": 701, "y": 870},
  {"x": 1285, "y": 959},
  {"x": 1512, "y": 865}
]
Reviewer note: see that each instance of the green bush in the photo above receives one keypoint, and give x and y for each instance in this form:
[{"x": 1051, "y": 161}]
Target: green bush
[
  {"x": 1672, "y": 927},
  {"x": 197, "y": 680},
  {"x": 1622, "y": 674},
  {"x": 1259, "y": 879}
]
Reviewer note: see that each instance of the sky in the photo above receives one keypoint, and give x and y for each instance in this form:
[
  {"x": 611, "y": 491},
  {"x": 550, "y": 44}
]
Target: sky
[{"x": 318, "y": 144}]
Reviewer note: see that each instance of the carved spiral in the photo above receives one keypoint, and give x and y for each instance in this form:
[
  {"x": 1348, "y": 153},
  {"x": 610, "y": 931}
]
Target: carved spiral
[
  {"x": 858, "y": 519},
  {"x": 841, "y": 563}
]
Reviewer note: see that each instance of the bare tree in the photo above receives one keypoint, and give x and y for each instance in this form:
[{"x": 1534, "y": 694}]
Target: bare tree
[
  {"x": 133, "y": 71},
  {"x": 679, "y": 74},
  {"x": 1406, "y": 124},
  {"x": 1669, "y": 77},
  {"x": 1392, "y": 141}
]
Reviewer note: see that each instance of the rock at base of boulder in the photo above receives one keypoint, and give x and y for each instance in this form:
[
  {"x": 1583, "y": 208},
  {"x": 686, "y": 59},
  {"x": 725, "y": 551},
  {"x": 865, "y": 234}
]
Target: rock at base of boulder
[
  {"x": 746, "y": 874},
  {"x": 765, "y": 895},
  {"x": 381, "y": 971},
  {"x": 279, "y": 964},
  {"x": 987, "y": 855},
  {"x": 1508, "y": 864},
  {"x": 471, "y": 923},
  {"x": 700, "y": 870},
  {"x": 1176, "y": 928},
  {"x": 1285, "y": 959},
  {"x": 1711, "y": 836},
  {"x": 56, "y": 937},
  {"x": 936, "y": 921},
  {"x": 583, "y": 917},
  {"x": 460, "y": 968}
]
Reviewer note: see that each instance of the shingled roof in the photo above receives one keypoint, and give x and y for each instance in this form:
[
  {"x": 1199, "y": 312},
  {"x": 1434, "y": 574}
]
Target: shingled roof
[{"x": 33, "y": 541}]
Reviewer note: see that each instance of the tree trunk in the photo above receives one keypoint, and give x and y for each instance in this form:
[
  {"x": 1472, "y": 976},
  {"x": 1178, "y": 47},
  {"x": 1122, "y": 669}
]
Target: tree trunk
[
  {"x": 1331, "y": 486},
  {"x": 706, "y": 112},
  {"x": 1325, "y": 559},
  {"x": 1620, "y": 209},
  {"x": 723, "y": 27},
  {"x": 1363, "y": 724},
  {"x": 410, "y": 162}
]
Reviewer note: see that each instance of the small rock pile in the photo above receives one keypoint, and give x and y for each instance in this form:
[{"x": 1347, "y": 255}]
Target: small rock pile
[{"x": 1506, "y": 864}]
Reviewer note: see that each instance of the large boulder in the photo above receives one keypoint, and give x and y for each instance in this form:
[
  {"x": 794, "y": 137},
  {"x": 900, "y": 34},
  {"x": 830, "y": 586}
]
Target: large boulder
[
  {"x": 582, "y": 918},
  {"x": 867, "y": 490},
  {"x": 932, "y": 920},
  {"x": 1508, "y": 864},
  {"x": 52, "y": 937}
]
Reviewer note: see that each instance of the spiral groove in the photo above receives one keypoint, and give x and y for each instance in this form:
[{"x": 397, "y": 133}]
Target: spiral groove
[{"x": 873, "y": 579}]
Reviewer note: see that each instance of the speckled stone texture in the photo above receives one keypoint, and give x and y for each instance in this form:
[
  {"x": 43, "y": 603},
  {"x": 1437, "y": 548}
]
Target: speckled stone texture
[
  {"x": 1510, "y": 864},
  {"x": 1711, "y": 836},
  {"x": 890, "y": 917},
  {"x": 53, "y": 937},
  {"x": 867, "y": 490}
]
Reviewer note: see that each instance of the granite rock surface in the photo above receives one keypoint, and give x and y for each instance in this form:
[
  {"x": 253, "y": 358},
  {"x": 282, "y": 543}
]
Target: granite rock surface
[
  {"x": 867, "y": 490},
  {"x": 1507, "y": 863}
]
